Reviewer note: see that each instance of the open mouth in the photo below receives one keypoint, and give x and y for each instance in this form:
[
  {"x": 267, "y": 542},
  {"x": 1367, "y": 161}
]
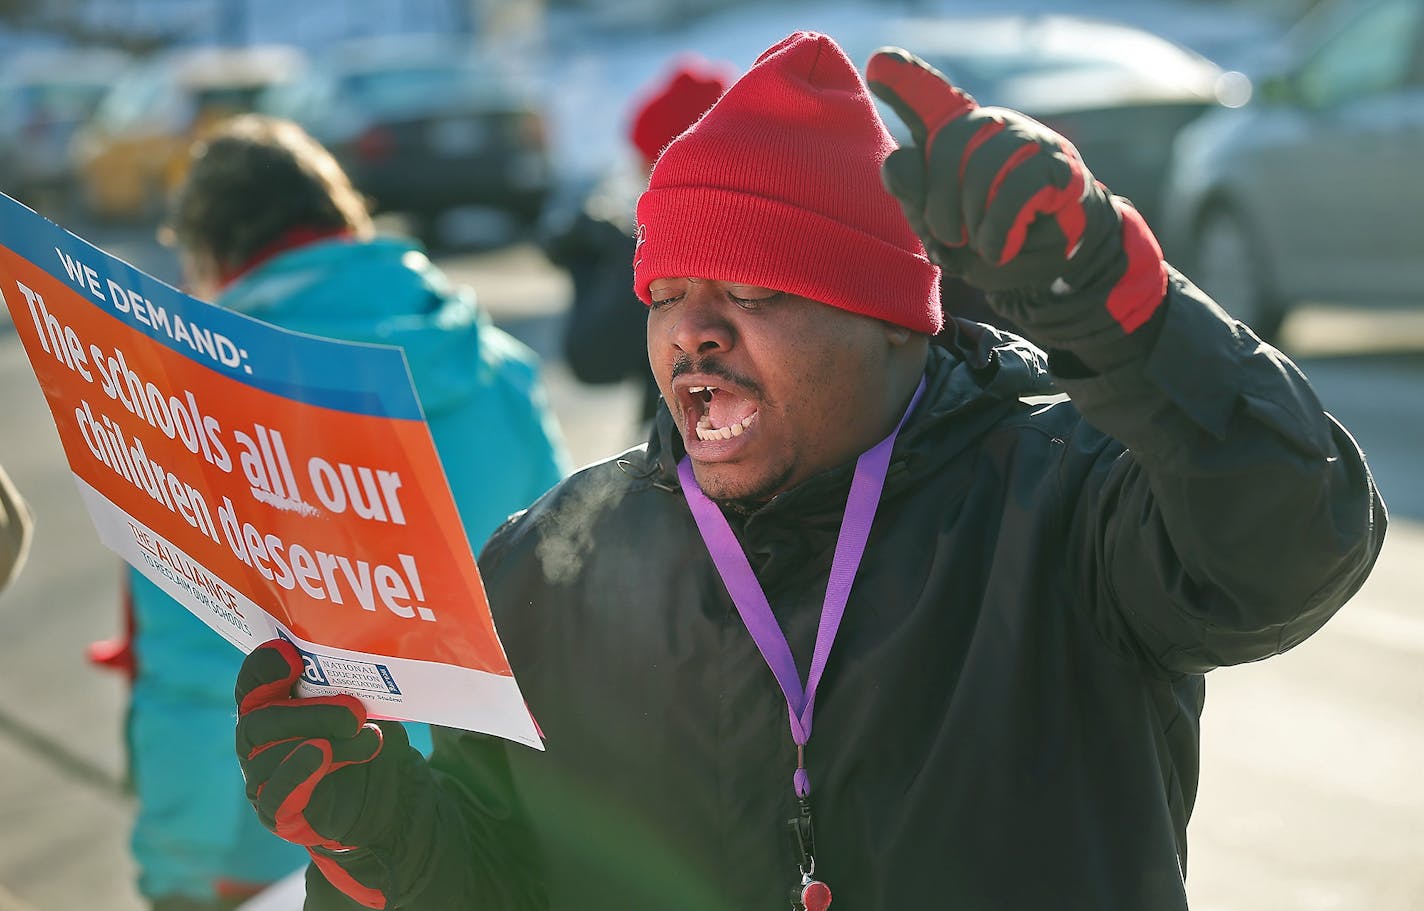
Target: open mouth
[{"x": 721, "y": 414}]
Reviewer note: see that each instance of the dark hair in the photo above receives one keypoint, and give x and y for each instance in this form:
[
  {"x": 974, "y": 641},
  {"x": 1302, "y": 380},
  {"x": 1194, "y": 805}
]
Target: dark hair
[{"x": 252, "y": 180}]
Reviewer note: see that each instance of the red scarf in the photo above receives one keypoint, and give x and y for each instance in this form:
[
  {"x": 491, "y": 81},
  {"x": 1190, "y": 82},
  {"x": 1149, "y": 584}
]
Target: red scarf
[{"x": 290, "y": 239}]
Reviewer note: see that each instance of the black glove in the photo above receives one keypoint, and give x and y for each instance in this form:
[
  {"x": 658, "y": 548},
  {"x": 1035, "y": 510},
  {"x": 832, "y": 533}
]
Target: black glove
[
  {"x": 319, "y": 774},
  {"x": 1004, "y": 202}
]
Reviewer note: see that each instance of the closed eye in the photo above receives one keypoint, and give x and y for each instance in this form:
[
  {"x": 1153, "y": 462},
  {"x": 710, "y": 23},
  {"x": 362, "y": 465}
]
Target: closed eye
[{"x": 752, "y": 303}]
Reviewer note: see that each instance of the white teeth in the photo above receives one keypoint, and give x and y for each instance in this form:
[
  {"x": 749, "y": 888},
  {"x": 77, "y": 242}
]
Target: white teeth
[{"x": 706, "y": 432}]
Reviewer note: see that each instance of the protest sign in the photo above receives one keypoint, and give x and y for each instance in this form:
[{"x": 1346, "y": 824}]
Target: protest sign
[{"x": 276, "y": 484}]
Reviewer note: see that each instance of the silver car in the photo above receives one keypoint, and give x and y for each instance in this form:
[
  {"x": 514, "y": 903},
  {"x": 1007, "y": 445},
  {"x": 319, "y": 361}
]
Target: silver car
[
  {"x": 45, "y": 95},
  {"x": 1314, "y": 188}
]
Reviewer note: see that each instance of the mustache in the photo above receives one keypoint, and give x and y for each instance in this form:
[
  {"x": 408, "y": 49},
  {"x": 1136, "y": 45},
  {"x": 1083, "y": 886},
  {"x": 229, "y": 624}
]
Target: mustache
[{"x": 707, "y": 366}]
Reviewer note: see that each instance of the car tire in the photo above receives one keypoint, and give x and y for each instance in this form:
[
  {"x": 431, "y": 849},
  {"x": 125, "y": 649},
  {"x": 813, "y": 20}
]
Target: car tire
[{"x": 1228, "y": 265}]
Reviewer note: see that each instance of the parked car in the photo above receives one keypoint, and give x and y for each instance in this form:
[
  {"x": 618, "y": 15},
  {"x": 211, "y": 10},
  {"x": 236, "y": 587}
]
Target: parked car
[
  {"x": 1119, "y": 93},
  {"x": 1311, "y": 191},
  {"x": 45, "y": 95},
  {"x": 425, "y": 125},
  {"x": 132, "y": 152}
]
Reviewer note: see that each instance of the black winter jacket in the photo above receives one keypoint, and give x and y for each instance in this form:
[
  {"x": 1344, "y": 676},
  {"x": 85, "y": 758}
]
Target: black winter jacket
[
  {"x": 605, "y": 338},
  {"x": 1009, "y": 718}
]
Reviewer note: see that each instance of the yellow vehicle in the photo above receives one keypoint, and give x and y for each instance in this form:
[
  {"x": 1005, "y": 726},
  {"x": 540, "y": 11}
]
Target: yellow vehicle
[{"x": 133, "y": 150}]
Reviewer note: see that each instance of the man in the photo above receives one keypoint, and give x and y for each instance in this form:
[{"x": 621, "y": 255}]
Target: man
[
  {"x": 947, "y": 649},
  {"x": 267, "y": 224}
]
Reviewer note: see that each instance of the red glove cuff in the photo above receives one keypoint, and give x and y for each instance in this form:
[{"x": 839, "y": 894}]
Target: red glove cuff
[{"x": 1143, "y": 287}]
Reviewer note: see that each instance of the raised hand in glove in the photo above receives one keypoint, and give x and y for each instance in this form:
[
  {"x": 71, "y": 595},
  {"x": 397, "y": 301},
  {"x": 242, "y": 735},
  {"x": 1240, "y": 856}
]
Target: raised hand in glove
[
  {"x": 1005, "y": 203},
  {"x": 318, "y": 773}
]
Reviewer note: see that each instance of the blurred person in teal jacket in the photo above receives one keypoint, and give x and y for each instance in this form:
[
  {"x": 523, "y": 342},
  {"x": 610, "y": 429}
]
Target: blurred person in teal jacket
[{"x": 267, "y": 224}]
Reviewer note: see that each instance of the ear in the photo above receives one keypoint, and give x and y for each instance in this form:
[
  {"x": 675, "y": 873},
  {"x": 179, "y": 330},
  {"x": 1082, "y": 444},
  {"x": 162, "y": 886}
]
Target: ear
[{"x": 896, "y": 334}]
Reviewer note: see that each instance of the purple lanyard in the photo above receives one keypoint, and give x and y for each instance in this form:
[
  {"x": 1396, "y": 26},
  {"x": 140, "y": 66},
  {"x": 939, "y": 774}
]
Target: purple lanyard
[{"x": 870, "y": 471}]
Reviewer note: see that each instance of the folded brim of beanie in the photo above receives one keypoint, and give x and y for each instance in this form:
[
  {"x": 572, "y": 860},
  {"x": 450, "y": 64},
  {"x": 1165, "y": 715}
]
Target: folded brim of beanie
[{"x": 726, "y": 235}]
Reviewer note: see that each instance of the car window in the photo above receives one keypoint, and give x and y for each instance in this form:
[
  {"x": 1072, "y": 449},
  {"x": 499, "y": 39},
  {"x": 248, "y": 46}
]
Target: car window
[
  {"x": 391, "y": 90},
  {"x": 1373, "y": 53},
  {"x": 228, "y": 99},
  {"x": 386, "y": 91},
  {"x": 1048, "y": 60},
  {"x": 131, "y": 101},
  {"x": 983, "y": 74},
  {"x": 300, "y": 99},
  {"x": 58, "y": 100},
  {"x": 994, "y": 76}
]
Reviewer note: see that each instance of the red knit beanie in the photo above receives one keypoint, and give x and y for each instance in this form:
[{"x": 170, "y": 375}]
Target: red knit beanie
[
  {"x": 779, "y": 186},
  {"x": 675, "y": 104}
]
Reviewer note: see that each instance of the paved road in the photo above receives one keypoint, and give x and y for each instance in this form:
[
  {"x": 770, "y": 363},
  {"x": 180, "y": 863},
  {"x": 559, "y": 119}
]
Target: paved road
[{"x": 1311, "y": 798}]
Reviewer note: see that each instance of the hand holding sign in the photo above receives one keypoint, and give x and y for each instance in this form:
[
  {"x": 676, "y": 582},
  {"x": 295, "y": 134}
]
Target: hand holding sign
[{"x": 319, "y": 774}]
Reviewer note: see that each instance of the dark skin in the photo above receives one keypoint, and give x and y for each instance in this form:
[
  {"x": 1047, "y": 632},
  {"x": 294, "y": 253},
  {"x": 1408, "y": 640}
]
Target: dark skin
[{"x": 800, "y": 387}]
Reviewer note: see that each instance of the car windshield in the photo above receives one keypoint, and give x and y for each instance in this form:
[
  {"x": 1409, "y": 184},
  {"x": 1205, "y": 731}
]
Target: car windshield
[
  {"x": 130, "y": 100},
  {"x": 986, "y": 72},
  {"x": 1050, "y": 59},
  {"x": 395, "y": 89},
  {"x": 62, "y": 101},
  {"x": 233, "y": 98}
]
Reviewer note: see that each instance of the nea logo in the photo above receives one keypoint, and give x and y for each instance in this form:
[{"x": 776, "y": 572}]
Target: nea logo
[
  {"x": 311, "y": 665},
  {"x": 311, "y": 670}
]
